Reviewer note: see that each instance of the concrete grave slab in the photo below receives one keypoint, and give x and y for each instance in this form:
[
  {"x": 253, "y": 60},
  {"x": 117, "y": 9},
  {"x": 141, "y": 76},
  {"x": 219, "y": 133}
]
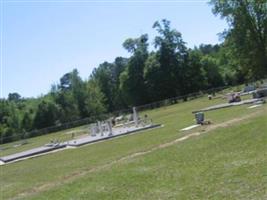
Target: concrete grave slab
[
  {"x": 31, "y": 152},
  {"x": 115, "y": 133},
  {"x": 226, "y": 105}
]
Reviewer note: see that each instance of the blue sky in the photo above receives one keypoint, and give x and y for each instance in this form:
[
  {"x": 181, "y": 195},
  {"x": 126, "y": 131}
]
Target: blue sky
[{"x": 42, "y": 40}]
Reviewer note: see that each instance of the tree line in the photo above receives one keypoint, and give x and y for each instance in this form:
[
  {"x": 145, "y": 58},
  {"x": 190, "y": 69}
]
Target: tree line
[{"x": 170, "y": 69}]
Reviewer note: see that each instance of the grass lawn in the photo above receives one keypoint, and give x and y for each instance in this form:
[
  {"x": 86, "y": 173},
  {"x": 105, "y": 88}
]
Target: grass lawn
[{"x": 226, "y": 163}]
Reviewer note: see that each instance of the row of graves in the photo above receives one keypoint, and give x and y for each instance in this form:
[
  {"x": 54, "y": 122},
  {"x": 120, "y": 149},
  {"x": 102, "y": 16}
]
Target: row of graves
[
  {"x": 258, "y": 97},
  {"x": 99, "y": 131},
  {"x": 103, "y": 130}
]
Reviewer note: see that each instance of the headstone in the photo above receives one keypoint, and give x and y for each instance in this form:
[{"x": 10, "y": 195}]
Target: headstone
[
  {"x": 233, "y": 97},
  {"x": 119, "y": 119},
  {"x": 100, "y": 128},
  {"x": 109, "y": 127},
  {"x": 230, "y": 97},
  {"x": 260, "y": 93},
  {"x": 249, "y": 88},
  {"x": 135, "y": 117},
  {"x": 93, "y": 130},
  {"x": 199, "y": 117},
  {"x": 210, "y": 97},
  {"x": 105, "y": 127}
]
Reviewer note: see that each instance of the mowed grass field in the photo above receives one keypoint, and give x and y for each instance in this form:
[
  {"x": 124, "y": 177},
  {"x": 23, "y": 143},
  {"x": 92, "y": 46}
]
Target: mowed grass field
[{"x": 226, "y": 160}]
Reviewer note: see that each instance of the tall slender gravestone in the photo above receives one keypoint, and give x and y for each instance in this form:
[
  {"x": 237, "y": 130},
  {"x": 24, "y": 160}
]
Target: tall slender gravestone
[
  {"x": 100, "y": 128},
  {"x": 109, "y": 127},
  {"x": 93, "y": 130},
  {"x": 135, "y": 117}
]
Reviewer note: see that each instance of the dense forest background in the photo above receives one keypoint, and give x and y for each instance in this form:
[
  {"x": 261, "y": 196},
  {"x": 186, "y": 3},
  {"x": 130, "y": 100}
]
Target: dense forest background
[{"x": 171, "y": 69}]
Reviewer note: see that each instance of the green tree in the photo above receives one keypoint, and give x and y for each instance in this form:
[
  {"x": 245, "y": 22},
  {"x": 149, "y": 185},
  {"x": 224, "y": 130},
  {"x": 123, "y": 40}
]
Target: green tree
[
  {"x": 247, "y": 34},
  {"x": 78, "y": 91},
  {"x": 132, "y": 81},
  {"x": 68, "y": 109},
  {"x": 153, "y": 76},
  {"x": 14, "y": 96},
  {"x": 195, "y": 74},
  {"x": 70, "y": 95},
  {"x": 172, "y": 56},
  {"x": 46, "y": 115},
  {"x": 9, "y": 121},
  {"x": 120, "y": 65},
  {"x": 104, "y": 77},
  {"x": 107, "y": 78},
  {"x": 211, "y": 72},
  {"x": 27, "y": 122},
  {"x": 94, "y": 103}
]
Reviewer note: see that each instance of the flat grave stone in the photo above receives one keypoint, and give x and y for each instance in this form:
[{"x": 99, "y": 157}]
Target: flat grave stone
[{"x": 31, "y": 152}]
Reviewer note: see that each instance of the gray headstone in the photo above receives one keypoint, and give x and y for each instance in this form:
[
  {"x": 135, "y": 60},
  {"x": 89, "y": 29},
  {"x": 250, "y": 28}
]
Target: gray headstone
[
  {"x": 135, "y": 117},
  {"x": 199, "y": 117},
  {"x": 93, "y": 130},
  {"x": 100, "y": 128},
  {"x": 109, "y": 127}
]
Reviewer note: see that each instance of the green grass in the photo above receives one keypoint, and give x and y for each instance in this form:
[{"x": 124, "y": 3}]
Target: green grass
[
  {"x": 223, "y": 164},
  {"x": 172, "y": 172}
]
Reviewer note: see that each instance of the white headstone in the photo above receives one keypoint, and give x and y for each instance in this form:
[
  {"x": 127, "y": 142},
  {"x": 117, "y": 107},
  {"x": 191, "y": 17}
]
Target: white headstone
[
  {"x": 109, "y": 127},
  {"x": 100, "y": 128},
  {"x": 135, "y": 117},
  {"x": 93, "y": 130}
]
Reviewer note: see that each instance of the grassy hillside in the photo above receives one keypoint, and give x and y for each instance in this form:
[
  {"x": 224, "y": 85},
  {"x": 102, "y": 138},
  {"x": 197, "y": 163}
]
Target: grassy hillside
[{"x": 225, "y": 162}]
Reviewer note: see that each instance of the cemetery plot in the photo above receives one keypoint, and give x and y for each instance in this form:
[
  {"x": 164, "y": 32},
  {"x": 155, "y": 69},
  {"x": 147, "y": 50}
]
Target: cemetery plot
[
  {"x": 226, "y": 105},
  {"x": 115, "y": 133},
  {"x": 99, "y": 131},
  {"x": 32, "y": 152}
]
